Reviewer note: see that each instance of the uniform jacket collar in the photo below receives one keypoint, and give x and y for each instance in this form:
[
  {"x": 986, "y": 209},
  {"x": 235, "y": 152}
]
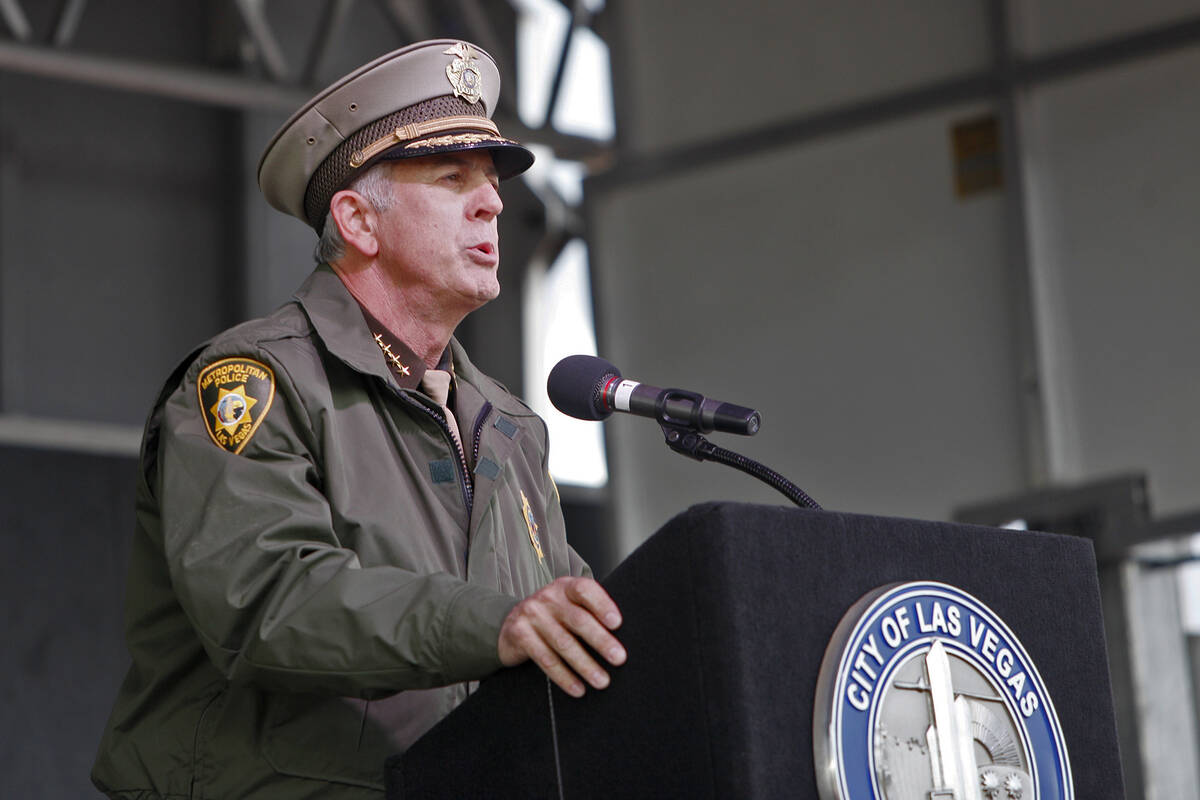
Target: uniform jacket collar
[
  {"x": 338, "y": 320},
  {"x": 407, "y": 367},
  {"x": 335, "y": 315}
]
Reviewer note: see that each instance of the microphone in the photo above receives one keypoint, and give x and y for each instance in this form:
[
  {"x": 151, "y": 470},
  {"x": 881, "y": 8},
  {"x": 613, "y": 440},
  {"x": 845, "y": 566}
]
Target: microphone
[{"x": 587, "y": 387}]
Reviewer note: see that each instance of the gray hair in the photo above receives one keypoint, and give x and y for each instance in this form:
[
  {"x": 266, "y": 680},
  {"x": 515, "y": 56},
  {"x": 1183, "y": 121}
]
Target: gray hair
[{"x": 372, "y": 185}]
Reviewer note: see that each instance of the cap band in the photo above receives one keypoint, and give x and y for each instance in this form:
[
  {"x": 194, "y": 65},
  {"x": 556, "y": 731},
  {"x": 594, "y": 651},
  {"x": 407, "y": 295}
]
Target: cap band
[{"x": 415, "y": 130}]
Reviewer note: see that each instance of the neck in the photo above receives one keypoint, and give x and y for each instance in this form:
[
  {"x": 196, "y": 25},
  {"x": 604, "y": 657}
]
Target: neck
[{"x": 424, "y": 328}]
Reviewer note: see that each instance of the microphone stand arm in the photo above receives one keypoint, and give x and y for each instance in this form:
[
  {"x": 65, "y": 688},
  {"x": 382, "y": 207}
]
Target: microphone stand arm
[{"x": 684, "y": 438}]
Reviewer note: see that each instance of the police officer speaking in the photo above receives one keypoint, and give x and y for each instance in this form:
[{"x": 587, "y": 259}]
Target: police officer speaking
[{"x": 341, "y": 522}]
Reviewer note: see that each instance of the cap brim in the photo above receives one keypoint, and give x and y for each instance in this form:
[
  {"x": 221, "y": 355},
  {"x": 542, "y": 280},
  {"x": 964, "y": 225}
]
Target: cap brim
[{"x": 511, "y": 158}]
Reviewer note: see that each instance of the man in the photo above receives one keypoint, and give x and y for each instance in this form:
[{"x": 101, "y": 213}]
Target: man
[{"x": 341, "y": 521}]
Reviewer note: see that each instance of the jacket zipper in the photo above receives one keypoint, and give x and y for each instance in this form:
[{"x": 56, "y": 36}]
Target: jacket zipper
[
  {"x": 478, "y": 430},
  {"x": 463, "y": 474},
  {"x": 476, "y": 434}
]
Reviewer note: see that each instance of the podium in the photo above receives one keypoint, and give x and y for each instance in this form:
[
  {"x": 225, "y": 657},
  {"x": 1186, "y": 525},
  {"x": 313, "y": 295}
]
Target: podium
[{"x": 728, "y": 611}]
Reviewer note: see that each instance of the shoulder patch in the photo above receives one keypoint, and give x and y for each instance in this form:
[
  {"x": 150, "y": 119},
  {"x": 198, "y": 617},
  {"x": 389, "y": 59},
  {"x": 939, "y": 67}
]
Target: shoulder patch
[{"x": 235, "y": 396}]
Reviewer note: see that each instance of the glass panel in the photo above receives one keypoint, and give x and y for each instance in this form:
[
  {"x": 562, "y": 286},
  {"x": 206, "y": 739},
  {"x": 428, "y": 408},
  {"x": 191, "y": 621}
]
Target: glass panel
[
  {"x": 542, "y": 26},
  {"x": 558, "y": 324},
  {"x": 584, "y": 104}
]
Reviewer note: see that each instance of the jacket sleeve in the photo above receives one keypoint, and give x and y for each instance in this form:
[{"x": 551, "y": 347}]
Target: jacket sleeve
[{"x": 273, "y": 595}]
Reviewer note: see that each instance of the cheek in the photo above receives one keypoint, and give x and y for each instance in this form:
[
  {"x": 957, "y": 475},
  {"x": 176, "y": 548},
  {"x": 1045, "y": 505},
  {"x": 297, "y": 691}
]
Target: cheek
[
  {"x": 426, "y": 225},
  {"x": 424, "y": 233},
  {"x": 418, "y": 235}
]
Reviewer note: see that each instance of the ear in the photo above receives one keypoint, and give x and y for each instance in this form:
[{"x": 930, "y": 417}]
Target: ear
[{"x": 357, "y": 221}]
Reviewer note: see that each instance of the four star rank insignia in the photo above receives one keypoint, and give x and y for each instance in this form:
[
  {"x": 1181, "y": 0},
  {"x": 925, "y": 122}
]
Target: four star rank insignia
[{"x": 235, "y": 395}]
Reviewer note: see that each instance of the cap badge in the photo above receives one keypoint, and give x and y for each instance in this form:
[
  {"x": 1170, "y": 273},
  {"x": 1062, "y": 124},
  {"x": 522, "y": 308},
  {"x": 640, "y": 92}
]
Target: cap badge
[
  {"x": 235, "y": 394},
  {"x": 463, "y": 73},
  {"x": 530, "y": 523}
]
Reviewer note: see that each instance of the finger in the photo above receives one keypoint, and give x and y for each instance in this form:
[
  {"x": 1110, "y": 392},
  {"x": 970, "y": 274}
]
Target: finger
[
  {"x": 544, "y": 653},
  {"x": 538, "y": 636},
  {"x": 569, "y": 650},
  {"x": 560, "y": 673},
  {"x": 584, "y": 625},
  {"x": 591, "y": 595}
]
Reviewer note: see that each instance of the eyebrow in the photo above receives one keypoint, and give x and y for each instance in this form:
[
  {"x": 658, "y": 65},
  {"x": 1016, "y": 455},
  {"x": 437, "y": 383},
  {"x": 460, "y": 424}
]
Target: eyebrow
[{"x": 465, "y": 162}]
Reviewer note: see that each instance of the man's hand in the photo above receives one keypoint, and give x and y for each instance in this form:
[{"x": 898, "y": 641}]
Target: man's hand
[{"x": 548, "y": 626}]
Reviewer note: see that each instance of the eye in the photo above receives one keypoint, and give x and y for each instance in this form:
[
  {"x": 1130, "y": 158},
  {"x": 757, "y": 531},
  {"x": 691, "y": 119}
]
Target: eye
[{"x": 454, "y": 177}]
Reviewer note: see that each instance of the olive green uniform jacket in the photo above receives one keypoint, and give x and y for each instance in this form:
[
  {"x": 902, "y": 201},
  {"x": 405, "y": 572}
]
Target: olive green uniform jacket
[{"x": 292, "y": 607}]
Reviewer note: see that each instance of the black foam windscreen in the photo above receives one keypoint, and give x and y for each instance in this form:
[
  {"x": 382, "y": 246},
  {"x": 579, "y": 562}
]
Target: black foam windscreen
[{"x": 576, "y": 385}]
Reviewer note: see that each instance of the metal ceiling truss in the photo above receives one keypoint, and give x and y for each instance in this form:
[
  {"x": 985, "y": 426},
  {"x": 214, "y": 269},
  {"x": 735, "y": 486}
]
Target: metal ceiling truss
[
  {"x": 283, "y": 86},
  {"x": 14, "y": 17},
  {"x": 269, "y": 81},
  {"x": 1011, "y": 74},
  {"x": 249, "y": 69}
]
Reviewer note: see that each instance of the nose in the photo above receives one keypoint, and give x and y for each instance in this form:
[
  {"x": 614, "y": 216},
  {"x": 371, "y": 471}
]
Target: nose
[{"x": 486, "y": 203}]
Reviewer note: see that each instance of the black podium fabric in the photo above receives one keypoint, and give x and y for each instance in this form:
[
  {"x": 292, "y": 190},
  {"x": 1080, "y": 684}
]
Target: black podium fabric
[{"x": 728, "y": 610}]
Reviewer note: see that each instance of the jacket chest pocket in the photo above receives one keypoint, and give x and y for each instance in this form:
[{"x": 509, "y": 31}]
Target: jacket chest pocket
[{"x": 502, "y": 552}]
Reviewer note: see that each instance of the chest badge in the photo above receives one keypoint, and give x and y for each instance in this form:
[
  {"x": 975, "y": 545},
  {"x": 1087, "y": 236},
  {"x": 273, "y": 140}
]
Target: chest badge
[
  {"x": 532, "y": 525},
  {"x": 235, "y": 395}
]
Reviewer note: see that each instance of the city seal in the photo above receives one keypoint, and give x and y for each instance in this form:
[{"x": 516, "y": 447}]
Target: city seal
[{"x": 925, "y": 693}]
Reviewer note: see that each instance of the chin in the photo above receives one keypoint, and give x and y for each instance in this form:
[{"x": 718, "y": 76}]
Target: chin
[
  {"x": 488, "y": 293},
  {"x": 480, "y": 297}
]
